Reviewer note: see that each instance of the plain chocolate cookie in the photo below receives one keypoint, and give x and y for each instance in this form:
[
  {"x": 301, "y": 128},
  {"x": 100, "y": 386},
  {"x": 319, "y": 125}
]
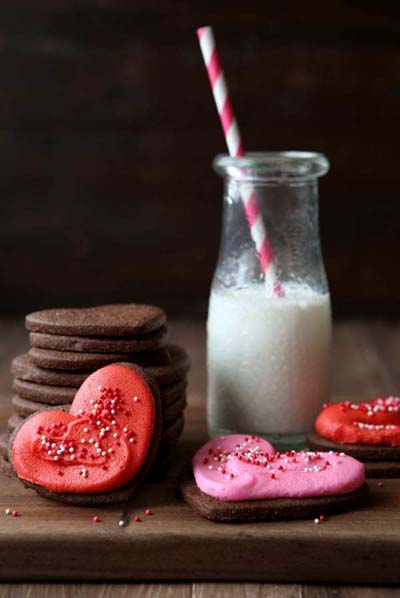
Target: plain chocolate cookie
[
  {"x": 24, "y": 407},
  {"x": 91, "y": 344},
  {"x": 51, "y": 395},
  {"x": 72, "y": 360},
  {"x": 24, "y": 368},
  {"x": 268, "y": 509},
  {"x": 125, "y": 319}
]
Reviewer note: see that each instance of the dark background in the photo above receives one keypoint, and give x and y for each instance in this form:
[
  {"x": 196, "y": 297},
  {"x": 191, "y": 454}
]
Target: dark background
[{"x": 108, "y": 130}]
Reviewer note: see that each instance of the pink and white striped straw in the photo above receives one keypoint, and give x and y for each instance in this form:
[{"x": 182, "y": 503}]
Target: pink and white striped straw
[{"x": 235, "y": 148}]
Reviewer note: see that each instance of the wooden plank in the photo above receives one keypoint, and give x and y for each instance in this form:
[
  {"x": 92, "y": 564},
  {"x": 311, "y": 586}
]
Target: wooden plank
[
  {"x": 197, "y": 590},
  {"x": 51, "y": 541},
  {"x": 41, "y": 590}
]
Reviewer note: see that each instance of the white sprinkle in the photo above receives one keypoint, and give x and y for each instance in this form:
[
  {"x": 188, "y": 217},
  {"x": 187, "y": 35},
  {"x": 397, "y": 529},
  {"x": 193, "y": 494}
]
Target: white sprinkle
[
  {"x": 56, "y": 458},
  {"x": 115, "y": 435},
  {"x": 80, "y": 411},
  {"x": 100, "y": 387},
  {"x": 316, "y": 520},
  {"x": 83, "y": 440},
  {"x": 131, "y": 440},
  {"x": 7, "y": 511},
  {"x": 110, "y": 450},
  {"x": 113, "y": 422},
  {"x": 72, "y": 457},
  {"x": 121, "y": 523},
  {"x": 98, "y": 423},
  {"x": 86, "y": 430},
  {"x": 96, "y": 445},
  {"x": 125, "y": 429},
  {"x": 136, "y": 399}
]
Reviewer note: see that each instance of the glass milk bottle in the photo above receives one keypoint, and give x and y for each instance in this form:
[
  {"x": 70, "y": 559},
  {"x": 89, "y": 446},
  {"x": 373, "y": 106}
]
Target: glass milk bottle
[{"x": 269, "y": 344}]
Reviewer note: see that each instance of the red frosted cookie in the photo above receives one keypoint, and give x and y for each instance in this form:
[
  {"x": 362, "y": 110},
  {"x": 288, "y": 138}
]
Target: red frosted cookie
[
  {"x": 369, "y": 431},
  {"x": 101, "y": 449},
  {"x": 376, "y": 422}
]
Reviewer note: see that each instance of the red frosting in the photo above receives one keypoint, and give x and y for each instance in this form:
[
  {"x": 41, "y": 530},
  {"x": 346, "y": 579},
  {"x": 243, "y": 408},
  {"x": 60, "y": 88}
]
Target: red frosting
[
  {"x": 97, "y": 447},
  {"x": 376, "y": 422}
]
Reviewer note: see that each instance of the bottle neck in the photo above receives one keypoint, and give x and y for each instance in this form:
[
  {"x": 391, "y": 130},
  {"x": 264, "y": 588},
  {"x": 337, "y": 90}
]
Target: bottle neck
[{"x": 287, "y": 211}]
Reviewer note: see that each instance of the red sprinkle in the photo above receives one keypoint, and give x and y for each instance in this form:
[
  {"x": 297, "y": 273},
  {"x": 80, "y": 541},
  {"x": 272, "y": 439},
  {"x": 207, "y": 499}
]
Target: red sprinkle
[
  {"x": 96, "y": 519},
  {"x": 137, "y": 518},
  {"x": 15, "y": 514},
  {"x": 379, "y": 484},
  {"x": 148, "y": 512},
  {"x": 322, "y": 518}
]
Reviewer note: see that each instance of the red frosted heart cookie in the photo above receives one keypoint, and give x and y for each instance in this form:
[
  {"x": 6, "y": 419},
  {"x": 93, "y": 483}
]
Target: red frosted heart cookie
[
  {"x": 376, "y": 422},
  {"x": 107, "y": 440},
  {"x": 369, "y": 431}
]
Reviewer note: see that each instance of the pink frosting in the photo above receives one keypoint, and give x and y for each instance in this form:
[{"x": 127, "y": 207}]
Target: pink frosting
[{"x": 238, "y": 467}]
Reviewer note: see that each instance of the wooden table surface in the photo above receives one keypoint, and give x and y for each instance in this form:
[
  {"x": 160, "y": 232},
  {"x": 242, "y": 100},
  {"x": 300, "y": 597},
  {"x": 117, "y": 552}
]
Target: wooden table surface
[{"x": 365, "y": 362}]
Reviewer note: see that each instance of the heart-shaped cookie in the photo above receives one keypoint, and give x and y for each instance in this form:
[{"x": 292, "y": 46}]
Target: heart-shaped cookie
[
  {"x": 376, "y": 422},
  {"x": 107, "y": 440},
  {"x": 239, "y": 468}
]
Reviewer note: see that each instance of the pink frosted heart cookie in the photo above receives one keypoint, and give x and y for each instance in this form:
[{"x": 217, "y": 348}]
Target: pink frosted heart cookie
[{"x": 242, "y": 478}]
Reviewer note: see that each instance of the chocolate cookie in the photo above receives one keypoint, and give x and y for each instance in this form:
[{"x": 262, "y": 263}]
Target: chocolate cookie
[
  {"x": 24, "y": 407},
  {"x": 4, "y": 440},
  {"x": 6, "y": 468},
  {"x": 70, "y": 360},
  {"x": 14, "y": 422},
  {"x": 173, "y": 430},
  {"x": 269, "y": 509},
  {"x": 105, "y": 320},
  {"x": 172, "y": 392},
  {"x": 24, "y": 368},
  {"x": 175, "y": 409},
  {"x": 119, "y": 495},
  {"x": 91, "y": 344},
  {"x": 51, "y": 395},
  {"x": 382, "y": 469},
  {"x": 363, "y": 452},
  {"x": 175, "y": 370}
]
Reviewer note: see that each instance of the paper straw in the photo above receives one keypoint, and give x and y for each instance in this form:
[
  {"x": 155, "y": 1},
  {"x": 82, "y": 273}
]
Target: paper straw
[{"x": 235, "y": 148}]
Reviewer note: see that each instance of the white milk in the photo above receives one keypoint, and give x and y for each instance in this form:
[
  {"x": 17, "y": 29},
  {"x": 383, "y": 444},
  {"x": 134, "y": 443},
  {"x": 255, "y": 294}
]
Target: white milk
[{"x": 268, "y": 359}]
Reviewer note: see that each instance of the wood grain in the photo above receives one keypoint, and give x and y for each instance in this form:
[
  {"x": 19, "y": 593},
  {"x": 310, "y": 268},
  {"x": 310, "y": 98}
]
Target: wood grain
[{"x": 365, "y": 362}]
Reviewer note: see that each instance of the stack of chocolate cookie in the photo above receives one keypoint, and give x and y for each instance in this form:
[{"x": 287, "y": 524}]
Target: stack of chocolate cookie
[{"x": 69, "y": 344}]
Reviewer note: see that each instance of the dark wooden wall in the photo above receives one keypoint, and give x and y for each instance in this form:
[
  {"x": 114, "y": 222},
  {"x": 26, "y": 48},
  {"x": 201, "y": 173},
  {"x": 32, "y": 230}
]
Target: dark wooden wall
[{"x": 108, "y": 129}]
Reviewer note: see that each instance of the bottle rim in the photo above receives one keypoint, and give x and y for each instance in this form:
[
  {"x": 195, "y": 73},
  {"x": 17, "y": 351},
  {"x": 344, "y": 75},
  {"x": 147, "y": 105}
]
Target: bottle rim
[{"x": 273, "y": 166}]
